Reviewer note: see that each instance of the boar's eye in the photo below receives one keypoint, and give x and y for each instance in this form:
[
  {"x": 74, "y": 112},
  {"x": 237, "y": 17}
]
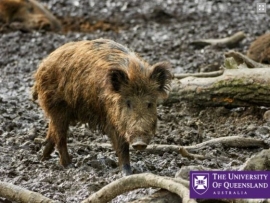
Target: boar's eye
[
  {"x": 149, "y": 105},
  {"x": 128, "y": 102}
]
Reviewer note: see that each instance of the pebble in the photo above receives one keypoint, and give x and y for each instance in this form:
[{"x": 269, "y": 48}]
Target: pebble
[
  {"x": 262, "y": 130},
  {"x": 266, "y": 116},
  {"x": 251, "y": 127}
]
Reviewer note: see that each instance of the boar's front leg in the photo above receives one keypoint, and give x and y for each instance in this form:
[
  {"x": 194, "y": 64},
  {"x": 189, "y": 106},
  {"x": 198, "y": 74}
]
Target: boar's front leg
[{"x": 121, "y": 147}]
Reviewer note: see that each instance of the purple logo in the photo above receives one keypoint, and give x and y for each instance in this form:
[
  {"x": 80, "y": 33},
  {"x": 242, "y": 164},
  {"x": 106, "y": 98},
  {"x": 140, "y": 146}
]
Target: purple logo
[
  {"x": 229, "y": 184},
  {"x": 200, "y": 182}
]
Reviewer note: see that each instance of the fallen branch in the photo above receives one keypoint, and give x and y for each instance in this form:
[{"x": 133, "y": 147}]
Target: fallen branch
[
  {"x": 132, "y": 182},
  {"x": 199, "y": 75},
  {"x": 19, "y": 194},
  {"x": 232, "y": 141},
  {"x": 227, "y": 41},
  {"x": 185, "y": 153}
]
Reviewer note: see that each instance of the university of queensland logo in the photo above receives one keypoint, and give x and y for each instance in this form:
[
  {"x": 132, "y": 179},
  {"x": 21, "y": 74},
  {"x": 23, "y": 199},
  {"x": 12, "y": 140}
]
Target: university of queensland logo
[{"x": 200, "y": 182}]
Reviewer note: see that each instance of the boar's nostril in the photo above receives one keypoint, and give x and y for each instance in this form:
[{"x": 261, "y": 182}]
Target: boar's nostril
[
  {"x": 46, "y": 26},
  {"x": 139, "y": 145}
]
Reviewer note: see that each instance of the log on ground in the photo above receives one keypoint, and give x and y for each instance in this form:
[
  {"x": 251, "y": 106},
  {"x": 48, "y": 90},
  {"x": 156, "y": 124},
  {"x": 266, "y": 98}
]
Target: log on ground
[{"x": 234, "y": 88}]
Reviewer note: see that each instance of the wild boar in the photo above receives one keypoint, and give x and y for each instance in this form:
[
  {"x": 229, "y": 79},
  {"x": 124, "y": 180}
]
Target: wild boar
[
  {"x": 259, "y": 49},
  {"x": 29, "y": 13},
  {"x": 106, "y": 85}
]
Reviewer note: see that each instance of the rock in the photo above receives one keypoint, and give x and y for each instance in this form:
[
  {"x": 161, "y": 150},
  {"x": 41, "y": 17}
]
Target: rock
[
  {"x": 266, "y": 116},
  {"x": 262, "y": 130},
  {"x": 258, "y": 162},
  {"x": 251, "y": 127}
]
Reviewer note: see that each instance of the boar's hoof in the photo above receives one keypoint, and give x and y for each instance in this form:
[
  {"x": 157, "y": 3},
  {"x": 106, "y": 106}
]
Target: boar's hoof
[
  {"x": 49, "y": 148},
  {"x": 126, "y": 169},
  {"x": 44, "y": 158},
  {"x": 65, "y": 160},
  {"x": 139, "y": 145}
]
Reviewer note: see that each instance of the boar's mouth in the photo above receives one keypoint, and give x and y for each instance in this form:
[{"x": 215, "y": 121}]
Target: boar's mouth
[
  {"x": 139, "y": 145},
  {"x": 138, "y": 141}
]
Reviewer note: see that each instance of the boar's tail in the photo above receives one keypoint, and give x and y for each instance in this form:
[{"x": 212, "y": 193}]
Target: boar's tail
[{"x": 34, "y": 93}]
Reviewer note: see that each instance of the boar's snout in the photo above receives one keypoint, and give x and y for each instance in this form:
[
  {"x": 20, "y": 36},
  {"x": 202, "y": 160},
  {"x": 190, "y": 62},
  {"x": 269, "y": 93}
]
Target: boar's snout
[
  {"x": 139, "y": 145},
  {"x": 140, "y": 142}
]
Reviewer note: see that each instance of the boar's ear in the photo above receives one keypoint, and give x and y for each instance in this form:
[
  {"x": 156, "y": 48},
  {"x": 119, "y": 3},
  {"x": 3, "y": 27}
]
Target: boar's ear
[
  {"x": 117, "y": 78},
  {"x": 162, "y": 75}
]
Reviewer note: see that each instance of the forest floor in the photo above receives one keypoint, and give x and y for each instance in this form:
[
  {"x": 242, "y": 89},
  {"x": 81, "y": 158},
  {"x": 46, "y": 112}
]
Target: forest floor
[{"x": 158, "y": 30}]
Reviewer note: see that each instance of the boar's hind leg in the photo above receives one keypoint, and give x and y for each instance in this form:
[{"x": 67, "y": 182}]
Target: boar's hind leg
[
  {"x": 57, "y": 136},
  {"x": 49, "y": 147},
  {"x": 122, "y": 150}
]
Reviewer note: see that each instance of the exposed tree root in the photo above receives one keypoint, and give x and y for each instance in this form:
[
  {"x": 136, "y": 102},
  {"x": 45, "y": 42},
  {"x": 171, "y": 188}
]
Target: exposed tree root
[
  {"x": 110, "y": 191},
  {"x": 232, "y": 141},
  {"x": 176, "y": 185},
  {"x": 227, "y": 41},
  {"x": 132, "y": 182},
  {"x": 185, "y": 153},
  {"x": 19, "y": 194}
]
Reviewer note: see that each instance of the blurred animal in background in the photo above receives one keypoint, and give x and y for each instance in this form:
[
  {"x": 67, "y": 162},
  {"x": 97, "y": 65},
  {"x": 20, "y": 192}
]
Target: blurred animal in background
[
  {"x": 27, "y": 15},
  {"x": 259, "y": 50}
]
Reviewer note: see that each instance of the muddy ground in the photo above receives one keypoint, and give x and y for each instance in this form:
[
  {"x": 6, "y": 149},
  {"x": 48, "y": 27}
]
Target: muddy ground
[{"x": 158, "y": 30}]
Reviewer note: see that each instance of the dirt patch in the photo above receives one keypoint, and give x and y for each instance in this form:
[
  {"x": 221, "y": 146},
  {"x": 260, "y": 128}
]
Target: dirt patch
[{"x": 71, "y": 24}]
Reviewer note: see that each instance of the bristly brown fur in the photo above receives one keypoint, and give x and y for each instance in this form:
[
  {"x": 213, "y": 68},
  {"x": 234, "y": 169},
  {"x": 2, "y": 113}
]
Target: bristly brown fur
[
  {"x": 30, "y": 13},
  {"x": 102, "y": 83},
  {"x": 259, "y": 50}
]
